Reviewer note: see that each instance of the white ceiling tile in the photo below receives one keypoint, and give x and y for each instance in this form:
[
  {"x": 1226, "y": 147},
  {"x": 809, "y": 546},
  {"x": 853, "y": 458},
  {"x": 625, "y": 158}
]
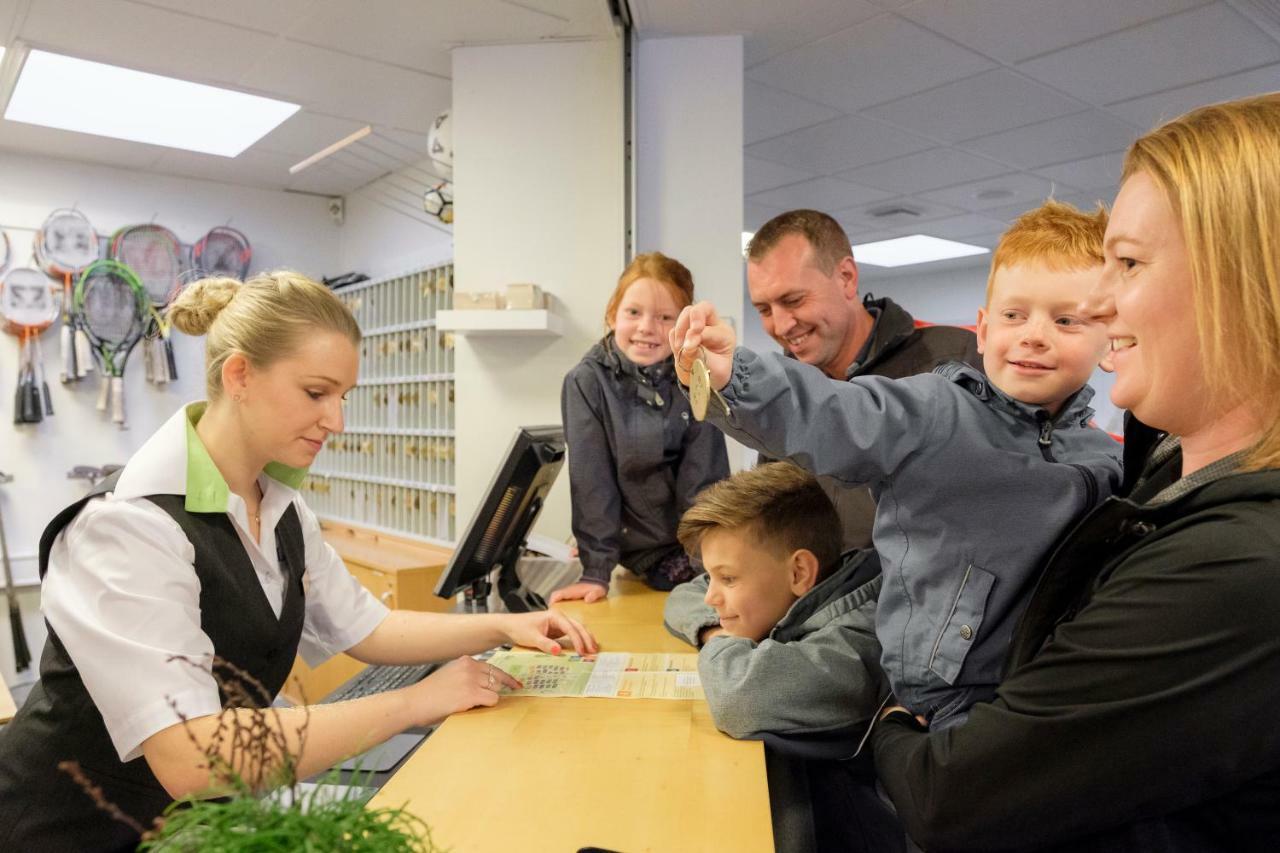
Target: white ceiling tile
[
  {"x": 768, "y": 112},
  {"x": 146, "y": 39},
  {"x": 355, "y": 88},
  {"x": 1014, "y": 188},
  {"x": 961, "y": 227},
  {"x": 583, "y": 18},
  {"x": 768, "y": 27},
  {"x": 840, "y": 144},
  {"x": 1090, "y": 199},
  {"x": 1153, "y": 110},
  {"x": 754, "y": 215},
  {"x": 1014, "y": 30},
  {"x": 252, "y": 168},
  {"x": 1100, "y": 171},
  {"x": 1058, "y": 140},
  {"x": 761, "y": 175},
  {"x": 82, "y": 147},
  {"x": 978, "y": 106},
  {"x": 819, "y": 194},
  {"x": 304, "y": 133},
  {"x": 1006, "y": 213},
  {"x": 274, "y": 17},
  {"x": 1187, "y": 48},
  {"x": 926, "y": 170},
  {"x": 417, "y": 34},
  {"x": 896, "y": 212},
  {"x": 879, "y": 60}
]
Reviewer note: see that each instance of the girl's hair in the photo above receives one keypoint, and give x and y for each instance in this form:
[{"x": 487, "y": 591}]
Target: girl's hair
[
  {"x": 264, "y": 318},
  {"x": 657, "y": 266},
  {"x": 1219, "y": 166}
]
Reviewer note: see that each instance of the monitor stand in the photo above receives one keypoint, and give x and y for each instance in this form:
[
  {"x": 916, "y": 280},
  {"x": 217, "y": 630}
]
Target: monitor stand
[{"x": 516, "y": 595}]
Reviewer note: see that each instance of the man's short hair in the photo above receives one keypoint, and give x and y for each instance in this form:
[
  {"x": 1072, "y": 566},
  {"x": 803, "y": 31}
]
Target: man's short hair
[
  {"x": 1055, "y": 235},
  {"x": 780, "y": 504},
  {"x": 830, "y": 243}
]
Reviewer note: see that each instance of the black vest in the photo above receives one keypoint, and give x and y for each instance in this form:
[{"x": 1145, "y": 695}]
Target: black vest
[{"x": 41, "y": 808}]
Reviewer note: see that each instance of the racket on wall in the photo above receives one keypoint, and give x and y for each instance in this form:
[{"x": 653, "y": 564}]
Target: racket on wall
[
  {"x": 224, "y": 251},
  {"x": 65, "y": 244},
  {"x": 29, "y": 305},
  {"x": 154, "y": 254},
  {"x": 4, "y": 251},
  {"x": 112, "y": 307}
]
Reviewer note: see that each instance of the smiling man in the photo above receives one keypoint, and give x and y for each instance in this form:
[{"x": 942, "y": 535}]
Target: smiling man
[{"x": 804, "y": 283}]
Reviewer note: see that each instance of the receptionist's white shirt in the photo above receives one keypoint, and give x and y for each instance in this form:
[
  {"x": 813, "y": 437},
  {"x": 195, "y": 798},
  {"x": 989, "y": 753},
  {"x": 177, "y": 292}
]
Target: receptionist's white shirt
[{"x": 122, "y": 594}]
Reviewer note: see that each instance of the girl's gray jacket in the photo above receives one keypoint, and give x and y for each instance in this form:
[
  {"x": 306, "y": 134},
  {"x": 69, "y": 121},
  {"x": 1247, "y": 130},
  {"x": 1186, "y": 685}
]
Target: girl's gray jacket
[
  {"x": 636, "y": 459},
  {"x": 817, "y": 672},
  {"x": 972, "y": 489}
]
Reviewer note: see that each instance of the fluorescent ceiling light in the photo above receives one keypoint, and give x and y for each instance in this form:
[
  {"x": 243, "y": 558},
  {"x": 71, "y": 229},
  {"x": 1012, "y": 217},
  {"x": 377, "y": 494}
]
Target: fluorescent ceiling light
[
  {"x": 746, "y": 240},
  {"x": 916, "y": 249},
  {"x": 106, "y": 100}
]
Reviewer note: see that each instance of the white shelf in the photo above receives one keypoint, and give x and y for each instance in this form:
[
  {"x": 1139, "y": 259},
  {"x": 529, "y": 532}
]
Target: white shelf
[
  {"x": 421, "y": 486},
  {"x": 501, "y": 321}
]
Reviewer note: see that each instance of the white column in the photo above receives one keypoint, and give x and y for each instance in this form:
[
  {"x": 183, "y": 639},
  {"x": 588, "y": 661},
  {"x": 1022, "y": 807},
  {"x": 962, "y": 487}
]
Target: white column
[
  {"x": 688, "y": 164},
  {"x": 538, "y": 168}
]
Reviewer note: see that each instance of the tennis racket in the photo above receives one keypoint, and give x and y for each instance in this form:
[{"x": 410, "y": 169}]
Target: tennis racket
[
  {"x": 4, "y": 251},
  {"x": 29, "y": 305},
  {"x": 112, "y": 307},
  {"x": 65, "y": 244},
  {"x": 224, "y": 251},
  {"x": 155, "y": 256}
]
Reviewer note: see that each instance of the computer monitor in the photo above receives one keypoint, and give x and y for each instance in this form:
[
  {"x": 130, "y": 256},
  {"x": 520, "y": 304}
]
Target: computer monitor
[{"x": 495, "y": 538}]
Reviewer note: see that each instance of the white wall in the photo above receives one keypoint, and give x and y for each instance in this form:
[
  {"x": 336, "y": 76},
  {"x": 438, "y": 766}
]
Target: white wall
[
  {"x": 287, "y": 230},
  {"x": 383, "y": 235},
  {"x": 538, "y": 169}
]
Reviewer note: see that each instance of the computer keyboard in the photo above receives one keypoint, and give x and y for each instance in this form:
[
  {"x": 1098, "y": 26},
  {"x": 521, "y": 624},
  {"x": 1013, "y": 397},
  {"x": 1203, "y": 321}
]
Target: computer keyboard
[{"x": 379, "y": 679}]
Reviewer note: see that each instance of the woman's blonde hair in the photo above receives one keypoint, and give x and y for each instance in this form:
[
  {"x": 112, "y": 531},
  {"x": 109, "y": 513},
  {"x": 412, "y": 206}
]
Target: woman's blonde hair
[
  {"x": 657, "y": 266},
  {"x": 1219, "y": 165},
  {"x": 264, "y": 318}
]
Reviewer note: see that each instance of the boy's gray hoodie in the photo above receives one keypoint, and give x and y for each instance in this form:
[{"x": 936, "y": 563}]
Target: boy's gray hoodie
[
  {"x": 972, "y": 490},
  {"x": 816, "y": 672}
]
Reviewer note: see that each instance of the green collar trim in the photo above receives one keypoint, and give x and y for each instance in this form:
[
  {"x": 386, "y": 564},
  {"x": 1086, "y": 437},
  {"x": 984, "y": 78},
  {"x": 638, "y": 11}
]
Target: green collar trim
[{"x": 207, "y": 490}]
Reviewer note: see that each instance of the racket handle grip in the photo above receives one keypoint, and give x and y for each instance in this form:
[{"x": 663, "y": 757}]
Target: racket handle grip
[
  {"x": 17, "y": 406},
  {"x": 48, "y": 400},
  {"x": 170, "y": 360},
  {"x": 31, "y": 404},
  {"x": 84, "y": 355},
  {"x": 104, "y": 391},
  {"x": 117, "y": 400},
  {"x": 67, "y": 348},
  {"x": 149, "y": 359}
]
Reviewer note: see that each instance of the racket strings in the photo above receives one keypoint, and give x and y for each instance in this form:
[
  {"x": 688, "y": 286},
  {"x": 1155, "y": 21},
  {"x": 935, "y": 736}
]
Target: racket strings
[
  {"x": 109, "y": 308},
  {"x": 153, "y": 253}
]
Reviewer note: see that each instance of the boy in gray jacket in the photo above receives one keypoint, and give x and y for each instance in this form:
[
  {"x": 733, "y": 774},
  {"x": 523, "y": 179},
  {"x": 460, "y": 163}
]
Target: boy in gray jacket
[
  {"x": 976, "y": 474},
  {"x": 786, "y": 625}
]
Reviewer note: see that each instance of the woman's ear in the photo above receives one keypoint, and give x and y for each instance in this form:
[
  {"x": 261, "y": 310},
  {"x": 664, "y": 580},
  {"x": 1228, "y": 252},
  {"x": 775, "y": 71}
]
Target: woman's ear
[
  {"x": 804, "y": 568},
  {"x": 236, "y": 373}
]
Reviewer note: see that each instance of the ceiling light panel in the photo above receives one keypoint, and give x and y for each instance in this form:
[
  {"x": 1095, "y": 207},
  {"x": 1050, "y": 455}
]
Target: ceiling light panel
[
  {"x": 107, "y": 100},
  {"x": 916, "y": 249}
]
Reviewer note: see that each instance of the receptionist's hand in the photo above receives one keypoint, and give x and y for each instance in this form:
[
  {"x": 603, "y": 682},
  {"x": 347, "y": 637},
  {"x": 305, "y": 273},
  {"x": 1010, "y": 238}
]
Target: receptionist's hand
[
  {"x": 699, "y": 328},
  {"x": 582, "y": 590},
  {"x": 544, "y": 628}
]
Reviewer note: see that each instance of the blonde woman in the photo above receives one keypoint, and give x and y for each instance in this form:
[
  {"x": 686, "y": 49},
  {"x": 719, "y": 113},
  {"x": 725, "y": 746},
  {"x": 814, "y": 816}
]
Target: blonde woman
[
  {"x": 1137, "y": 709},
  {"x": 201, "y": 546}
]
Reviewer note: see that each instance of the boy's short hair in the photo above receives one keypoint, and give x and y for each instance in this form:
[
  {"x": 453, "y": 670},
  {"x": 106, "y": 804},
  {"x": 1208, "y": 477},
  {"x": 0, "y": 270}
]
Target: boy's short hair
[
  {"x": 827, "y": 239},
  {"x": 781, "y": 504},
  {"x": 1055, "y": 235}
]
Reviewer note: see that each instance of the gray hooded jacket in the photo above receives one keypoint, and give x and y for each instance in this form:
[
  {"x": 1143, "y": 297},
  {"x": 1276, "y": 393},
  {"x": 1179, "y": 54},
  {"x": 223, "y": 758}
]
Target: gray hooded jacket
[
  {"x": 972, "y": 489},
  {"x": 816, "y": 672}
]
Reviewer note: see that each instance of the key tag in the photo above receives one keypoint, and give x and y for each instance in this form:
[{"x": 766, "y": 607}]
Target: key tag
[{"x": 699, "y": 387}]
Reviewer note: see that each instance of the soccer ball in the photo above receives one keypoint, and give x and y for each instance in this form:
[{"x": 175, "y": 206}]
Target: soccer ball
[
  {"x": 440, "y": 144},
  {"x": 438, "y": 201}
]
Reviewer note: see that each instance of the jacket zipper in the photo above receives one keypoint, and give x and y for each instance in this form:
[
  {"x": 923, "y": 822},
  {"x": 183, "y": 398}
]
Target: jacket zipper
[{"x": 1046, "y": 435}]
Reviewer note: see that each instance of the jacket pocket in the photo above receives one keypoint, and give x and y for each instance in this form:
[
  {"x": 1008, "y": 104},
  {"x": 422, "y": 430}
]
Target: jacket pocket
[{"x": 962, "y": 625}]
